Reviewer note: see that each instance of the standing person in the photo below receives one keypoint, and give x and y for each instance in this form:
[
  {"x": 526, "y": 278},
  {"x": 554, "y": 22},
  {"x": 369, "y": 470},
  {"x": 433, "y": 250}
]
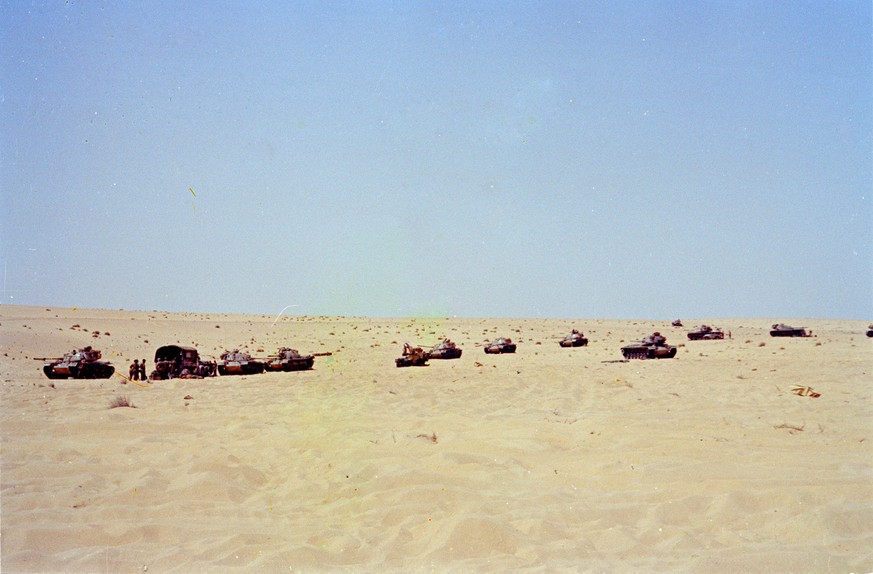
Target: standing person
[
  {"x": 134, "y": 370},
  {"x": 142, "y": 371}
]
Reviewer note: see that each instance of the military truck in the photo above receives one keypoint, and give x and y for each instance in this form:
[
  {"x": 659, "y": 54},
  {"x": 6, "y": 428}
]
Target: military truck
[
  {"x": 705, "y": 333},
  {"x": 445, "y": 349},
  {"x": 237, "y": 362},
  {"x": 783, "y": 330},
  {"x": 177, "y": 361},
  {"x": 77, "y": 364},
  {"x": 652, "y": 347},
  {"x": 287, "y": 359},
  {"x": 500, "y": 345}
]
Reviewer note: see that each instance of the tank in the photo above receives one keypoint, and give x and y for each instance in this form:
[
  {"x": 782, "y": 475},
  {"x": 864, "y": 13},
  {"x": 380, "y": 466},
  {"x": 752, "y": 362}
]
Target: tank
[
  {"x": 175, "y": 361},
  {"x": 77, "y": 364},
  {"x": 783, "y": 330},
  {"x": 574, "y": 339},
  {"x": 445, "y": 350},
  {"x": 652, "y": 347},
  {"x": 870, "y": 330},
  {"x": 287, "y": 359},
  {"x": 677, "y": 323},
  {"x": 705, "y": 333},
  {"x": 500, "y": 345},
  {"x": 412, "y": 357},
  {"x": 237, "y": 362}
]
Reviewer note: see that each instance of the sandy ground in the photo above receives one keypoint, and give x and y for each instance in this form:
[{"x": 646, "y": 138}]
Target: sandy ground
[{"x": 549, "y": 460}]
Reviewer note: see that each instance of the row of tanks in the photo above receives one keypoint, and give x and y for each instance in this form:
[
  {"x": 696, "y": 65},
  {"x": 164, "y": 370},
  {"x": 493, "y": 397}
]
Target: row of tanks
[{"x": 177, "y": 361}]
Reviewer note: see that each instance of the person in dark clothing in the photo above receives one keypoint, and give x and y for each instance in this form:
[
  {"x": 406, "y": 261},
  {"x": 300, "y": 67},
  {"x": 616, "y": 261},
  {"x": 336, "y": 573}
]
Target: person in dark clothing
[{"x": 134, "y": 370}]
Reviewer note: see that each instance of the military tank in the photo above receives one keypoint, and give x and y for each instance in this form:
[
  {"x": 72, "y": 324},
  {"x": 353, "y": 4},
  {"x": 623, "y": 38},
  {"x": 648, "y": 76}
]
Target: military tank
[
  {"x": 677, "y": 323},
  {"x": 705, "y": 333},
  {"x": 176, "y": 361},
  {"x": 870, "y": 330},
  {"x": 652, "y": 347},
  {"x": 500, "y": 345},
  {"x": 287, "y": 359},
  {"x": 445, "y": 350},
  {"x": 237, "y": 362},
  {"x": 574, "y": 339},
  {"x": 783, "y": 330},
  {"x": 77, "y": 364},
  {"x": 412, "y": 357}
]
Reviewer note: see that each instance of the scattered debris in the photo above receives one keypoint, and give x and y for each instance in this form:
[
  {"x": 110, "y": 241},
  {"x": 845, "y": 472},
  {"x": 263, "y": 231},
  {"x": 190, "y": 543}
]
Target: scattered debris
[{"x": 802, "y": 391}]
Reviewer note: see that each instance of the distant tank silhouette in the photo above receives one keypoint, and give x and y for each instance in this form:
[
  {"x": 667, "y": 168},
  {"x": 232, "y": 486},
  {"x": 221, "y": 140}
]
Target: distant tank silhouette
[
  {"x": 500, "y": 345},
  {"x": 77, "y": 364},
  {"x": 870, "y": 331},
  {"x": 237, "y": 362},
  {"x": 652, "y": 347},
  {"x": 705, "y": 333},
  {"x": 783, "y": 330},
  {"x": 574, "y": 339},
  {"x": 445, "y": 350}
]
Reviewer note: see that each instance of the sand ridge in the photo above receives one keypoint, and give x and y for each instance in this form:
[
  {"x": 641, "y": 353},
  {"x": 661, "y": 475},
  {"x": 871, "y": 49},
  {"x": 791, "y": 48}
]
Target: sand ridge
[{"x": 550, "y": 459}]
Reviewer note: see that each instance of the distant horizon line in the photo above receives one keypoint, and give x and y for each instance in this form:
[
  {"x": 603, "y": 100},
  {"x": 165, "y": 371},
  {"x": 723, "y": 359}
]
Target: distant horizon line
[{"x": 425, "y": 317}]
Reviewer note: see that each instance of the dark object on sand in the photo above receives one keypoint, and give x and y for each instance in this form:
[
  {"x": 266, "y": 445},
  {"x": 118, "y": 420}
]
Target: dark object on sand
[
  {"x": 677, "y": 323},
  {"x": 500, "y": 345},
  {"x": 705, "y": 333},
  {"x": 176, "y": 361},
  {"x": 77, "y": 364},
  {"x": 289, "y": 360},
  {"x": 783, "y": 330},
  {"x": 237, "y": 362},
  {"x": 870, "y": 330},
  {"x": 574, "y": 339},
  {"x": 652, "y": 347},
  {"x": 445, "y": 350},
  {"x": 412, "y": 357}
]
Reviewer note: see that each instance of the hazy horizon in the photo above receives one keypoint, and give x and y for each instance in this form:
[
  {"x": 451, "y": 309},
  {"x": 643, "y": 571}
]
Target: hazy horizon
[{"x": 616, "y": 160}]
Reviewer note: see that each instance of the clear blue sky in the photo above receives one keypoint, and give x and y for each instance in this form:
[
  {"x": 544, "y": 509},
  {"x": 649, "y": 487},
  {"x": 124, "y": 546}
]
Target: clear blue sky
[{"x": 520, "y": 159}]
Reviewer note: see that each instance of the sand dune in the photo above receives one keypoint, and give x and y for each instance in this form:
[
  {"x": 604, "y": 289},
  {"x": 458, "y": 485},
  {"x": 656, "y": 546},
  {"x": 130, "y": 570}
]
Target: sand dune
[{"x": 549, "y": 460}]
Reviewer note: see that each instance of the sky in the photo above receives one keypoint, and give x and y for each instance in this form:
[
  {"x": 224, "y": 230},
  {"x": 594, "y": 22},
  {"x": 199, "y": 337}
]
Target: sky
[{"x": 649, "y": 160}]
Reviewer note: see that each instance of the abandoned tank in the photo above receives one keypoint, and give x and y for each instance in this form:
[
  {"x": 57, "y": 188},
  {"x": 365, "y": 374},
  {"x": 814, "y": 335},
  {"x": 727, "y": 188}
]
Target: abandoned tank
[
  {"x": 783, "y": 330},
  {"x": 500, "y": 345},
  {"x": 287, "y": 359},
  {"x": 574, "y": 339},
  {"x": 412, "y": 357},
  {"x": 445, "y": 350},
  {"x": 237, "y": 362},
  {"x": 652, "y": 347},
  {"x": 705, "y": 333},
  {"x": 77, "y": 364}
]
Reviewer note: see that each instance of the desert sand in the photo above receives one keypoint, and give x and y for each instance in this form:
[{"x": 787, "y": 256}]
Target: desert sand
[{"x": 549, "y": 460}]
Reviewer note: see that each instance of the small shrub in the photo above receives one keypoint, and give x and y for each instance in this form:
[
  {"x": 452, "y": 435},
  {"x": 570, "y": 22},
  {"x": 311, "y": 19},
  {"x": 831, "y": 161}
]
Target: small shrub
[{"x": 121, "y": 401}]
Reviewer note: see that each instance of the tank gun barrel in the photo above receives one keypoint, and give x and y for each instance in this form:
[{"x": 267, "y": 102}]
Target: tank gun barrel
[{"x": 47, "y": 358}]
